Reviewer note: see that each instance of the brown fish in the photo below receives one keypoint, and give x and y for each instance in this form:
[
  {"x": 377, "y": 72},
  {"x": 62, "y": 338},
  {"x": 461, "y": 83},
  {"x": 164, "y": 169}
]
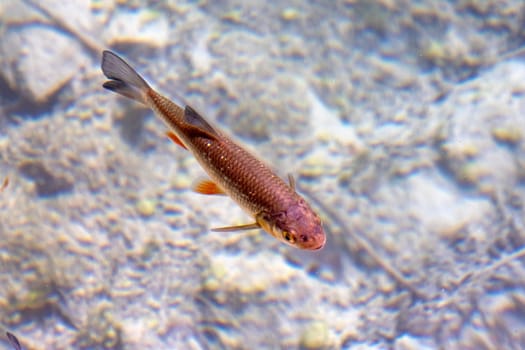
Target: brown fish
[
  {"x": 275, "y": 205},
  {"x": 13, "y": 341},
  {"x": 4, "y": 184}
]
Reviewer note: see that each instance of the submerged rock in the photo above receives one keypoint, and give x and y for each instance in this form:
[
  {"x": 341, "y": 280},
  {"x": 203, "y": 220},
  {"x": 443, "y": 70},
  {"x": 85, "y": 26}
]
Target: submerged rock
[
  {"x": 39, "y": 60},
  {"x": 482, "y": 143},
  {"x": 145, "y": 27},
  {"x": 47, "y": 182}
]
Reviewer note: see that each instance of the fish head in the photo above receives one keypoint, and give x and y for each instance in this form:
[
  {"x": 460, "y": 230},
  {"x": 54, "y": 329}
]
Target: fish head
[{"x": 298, "y": 226}]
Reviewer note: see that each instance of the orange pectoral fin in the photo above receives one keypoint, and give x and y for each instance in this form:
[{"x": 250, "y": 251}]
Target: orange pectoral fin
[
  {"x": 175, "y": 138},
  {"x": 207, "y": 187}
]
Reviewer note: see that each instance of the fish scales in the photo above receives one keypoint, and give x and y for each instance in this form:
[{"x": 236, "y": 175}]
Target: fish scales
[
  {"x": 276, "y": 206},
  {"x": 248, "y": 181}
]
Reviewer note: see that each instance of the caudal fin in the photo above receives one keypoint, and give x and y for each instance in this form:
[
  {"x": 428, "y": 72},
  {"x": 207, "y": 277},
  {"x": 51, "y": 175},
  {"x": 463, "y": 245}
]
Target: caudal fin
[{"x": 124, "y": 80}]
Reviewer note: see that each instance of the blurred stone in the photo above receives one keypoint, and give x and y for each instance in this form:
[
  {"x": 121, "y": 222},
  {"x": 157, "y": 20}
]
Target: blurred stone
[
  {"x": 407, "y": 342},
  {"x": 476, "y": 138},
  {"x": 39, "y": 60},
  {"x": 48, "y": 181},
  {"x": 146, "y": 207},
  {"x": 249, "y": 276},
  {"x": 144, "y": 27},
  {"x": 441, "y": 208},
  {"x": 315, "y": 336}
]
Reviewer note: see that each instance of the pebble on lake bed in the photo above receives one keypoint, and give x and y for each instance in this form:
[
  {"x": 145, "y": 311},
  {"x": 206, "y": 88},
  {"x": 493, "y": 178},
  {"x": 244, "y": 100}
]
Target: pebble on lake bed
[
  {"x": 315, "y": 336},
  {"x": 29, "y": 61}
]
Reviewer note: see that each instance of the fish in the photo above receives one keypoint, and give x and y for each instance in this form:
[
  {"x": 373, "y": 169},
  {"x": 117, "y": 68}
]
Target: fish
[
  {"x": 13, "y": 341},
  {"x": 4, "y": 184},
  {"x": 275, "y": 205}
]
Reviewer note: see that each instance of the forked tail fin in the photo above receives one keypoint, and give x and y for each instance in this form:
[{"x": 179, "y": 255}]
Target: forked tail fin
[{"x": 124, "y": 80}]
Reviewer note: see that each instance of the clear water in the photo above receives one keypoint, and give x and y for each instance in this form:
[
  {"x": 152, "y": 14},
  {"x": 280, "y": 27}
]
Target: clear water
[{"x": 402, "y": 122}]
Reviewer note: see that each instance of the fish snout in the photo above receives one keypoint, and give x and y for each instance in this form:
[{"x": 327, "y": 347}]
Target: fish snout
[
  {"x": 311, "y": 238},
  {"x": 305, "y": 227}
]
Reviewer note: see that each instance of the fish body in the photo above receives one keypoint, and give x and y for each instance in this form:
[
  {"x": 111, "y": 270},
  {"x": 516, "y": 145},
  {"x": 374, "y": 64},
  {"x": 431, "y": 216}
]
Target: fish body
[{"x": 275, "y": 205}]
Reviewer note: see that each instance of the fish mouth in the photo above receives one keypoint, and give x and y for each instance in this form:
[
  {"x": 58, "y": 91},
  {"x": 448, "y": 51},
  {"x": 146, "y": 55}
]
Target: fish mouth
[
  {"x": 321, "y": 243},
  {"x": 315, "y": 244},
  {"x": 319, "y": 247}
]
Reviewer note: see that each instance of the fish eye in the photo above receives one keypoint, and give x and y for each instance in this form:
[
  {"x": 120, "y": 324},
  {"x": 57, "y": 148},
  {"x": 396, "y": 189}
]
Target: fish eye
[{"x": 288, "y": 237}]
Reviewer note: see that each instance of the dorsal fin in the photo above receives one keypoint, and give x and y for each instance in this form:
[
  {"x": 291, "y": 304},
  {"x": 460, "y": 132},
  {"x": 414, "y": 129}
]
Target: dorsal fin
[{"x": 193, "y": 118}]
